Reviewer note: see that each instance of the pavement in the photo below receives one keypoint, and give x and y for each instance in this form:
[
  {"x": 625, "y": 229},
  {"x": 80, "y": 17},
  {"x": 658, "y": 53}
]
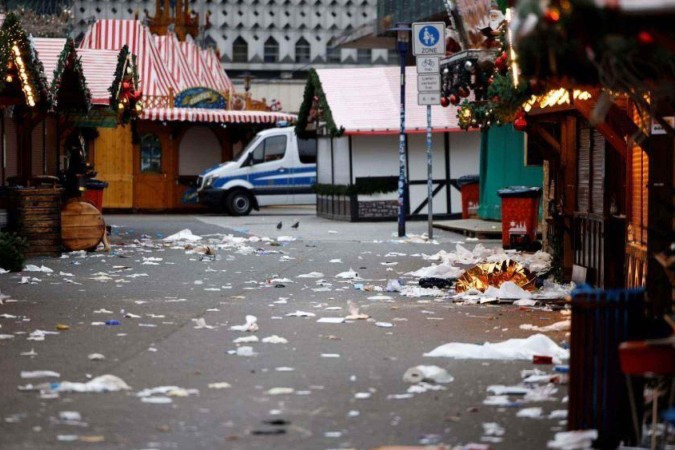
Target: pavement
[{"x": 355, "y": 400}]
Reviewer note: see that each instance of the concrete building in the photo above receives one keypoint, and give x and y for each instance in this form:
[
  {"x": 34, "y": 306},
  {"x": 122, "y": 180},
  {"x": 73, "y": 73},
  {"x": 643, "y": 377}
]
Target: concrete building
[{"x": 271, "y": 42}]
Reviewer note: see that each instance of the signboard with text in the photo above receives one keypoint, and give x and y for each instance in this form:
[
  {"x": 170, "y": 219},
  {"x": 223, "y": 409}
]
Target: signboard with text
[{"x": 428, "y": 38}]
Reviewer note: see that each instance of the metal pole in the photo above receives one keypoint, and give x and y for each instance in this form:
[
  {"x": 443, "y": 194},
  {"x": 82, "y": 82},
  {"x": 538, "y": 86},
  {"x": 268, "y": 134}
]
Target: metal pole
[
  {"x": 401, "y": 148},
  {"x": 430, "y": 177}
]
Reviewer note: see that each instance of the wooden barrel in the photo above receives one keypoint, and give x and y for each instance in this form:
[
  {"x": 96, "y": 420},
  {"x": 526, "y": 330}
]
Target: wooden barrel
[
  {"x": 34, "y": 215},
  {"x": 82, "y": 225}
]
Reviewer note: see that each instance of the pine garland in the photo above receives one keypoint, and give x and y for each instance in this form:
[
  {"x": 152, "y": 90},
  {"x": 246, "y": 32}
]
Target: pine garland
[
  {"x": 12, "y": 34},
  {"x": 69, "y": 61},
  {"x": 314, "y": 94},
  {"x": 119, "y": 76}
]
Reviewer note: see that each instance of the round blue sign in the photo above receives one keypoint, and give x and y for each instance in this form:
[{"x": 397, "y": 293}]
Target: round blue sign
[{"x": 429, "y": 36}]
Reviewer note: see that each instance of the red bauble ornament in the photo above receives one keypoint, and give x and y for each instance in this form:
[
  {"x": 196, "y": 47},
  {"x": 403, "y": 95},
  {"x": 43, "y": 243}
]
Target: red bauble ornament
[
  {"x": 445, "y": 102},
  {"x": 520, "y": 124},
  {"x": 137, "y": 95},
  {"x": 126, "y": 85},
  {"x": 551, "y": 16},
  {"x": 454, "y": 99},
  {"x": 463, "y": 92},
  {"x": 500, "y": 63},
  {"x": 645, "y": 38}
]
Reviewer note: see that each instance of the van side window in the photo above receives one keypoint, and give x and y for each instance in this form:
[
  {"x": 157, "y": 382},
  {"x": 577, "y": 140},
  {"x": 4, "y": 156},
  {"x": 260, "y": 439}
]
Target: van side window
[
  {"x": 259, "y": 153},
  {"x": 307, "y": 151},
  {"x": 275, "y": 148}
]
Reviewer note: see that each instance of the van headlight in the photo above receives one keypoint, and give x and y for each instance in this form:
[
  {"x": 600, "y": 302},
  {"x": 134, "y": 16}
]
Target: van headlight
[{"x": 208, "y": 182}]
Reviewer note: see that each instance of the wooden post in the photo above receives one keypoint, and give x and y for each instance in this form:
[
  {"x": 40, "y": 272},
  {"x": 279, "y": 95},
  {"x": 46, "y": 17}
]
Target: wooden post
[
  {"x": 568, "y": 162},
  {"x": 660, "y": 218}
]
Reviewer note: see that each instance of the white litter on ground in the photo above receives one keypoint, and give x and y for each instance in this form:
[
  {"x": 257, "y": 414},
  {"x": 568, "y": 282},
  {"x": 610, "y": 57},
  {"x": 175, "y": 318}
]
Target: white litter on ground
[
  {"x": 250, "y": 325},
  {"x": 39, "y": 374},
  {"x": 524, "y": 349},
  {"x": 280, "y": 391},
  {"x": 104, "y": 383},
  {"x": 34, "y": 268},
  {"x": 300, "y": 314},
  {"x": 311, "y": 275},
  {"x": 201, "y": 323},
  {"x": 96, "y": 357},
  {"x": 331, "y": 320},
  {"x": 416, "y": 291},
  {"x": 436, "y": 374},
  {"x": 274, "y": 339},
  {"x": 531, "y": 413},
  {"x": 438, "y": 271},
  {"x": 220, "y": 385},
  {"x": 183, "y": 235},
  {"x": 573, "y": 440},
  {"x": 563, "y": 325},
  {"x": 348, "y": 275},
  {"x": 246, "y": 340}
]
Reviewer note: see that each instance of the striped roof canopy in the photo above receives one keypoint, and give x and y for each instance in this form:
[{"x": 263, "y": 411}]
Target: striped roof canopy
[
  {"x": 99, "y": 70},
  {"x": 113, "y": 34},
  {"x": 195, "y": 59},
  {"x": 171, "y": 53},
  {"x": 48, "y": 51}
]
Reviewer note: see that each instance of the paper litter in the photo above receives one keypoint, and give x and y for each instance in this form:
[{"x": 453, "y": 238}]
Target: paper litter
[
  {"x": 183, "y": 235},
  {"x": 300, "y": 314},
  {"x": 524, "y": 349},
  {"x": 331, "y": 320},
  {"x": 531, "y": 413},
  {"x": 104, "y": 383},
  {"x": 280, "y": 391},
  {"x": 563, "y": 325},
  {"x": 250, "y": 325},
  {"x": 348, "y": 275},
  {"x": 274, "y": 339},
  {"x": 311, "y": 275},
  {"x": 246, "y": 340},
  {"x": 96, "y": 357},
  {"x": 427, "y": 373},
  {"x": 39, "y": 374},
  {"x": 201, "y": 323},
  {"x": 220, "y": 385},
  {"x": 573, "y": 440},
  {"x": 34, "y": 268}
]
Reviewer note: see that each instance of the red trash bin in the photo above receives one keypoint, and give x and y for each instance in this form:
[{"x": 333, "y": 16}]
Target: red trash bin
[
  {"x": 520, "y": 215},
  {"x": 468, "y": 186},
  {"x": 94, "y": 192}
]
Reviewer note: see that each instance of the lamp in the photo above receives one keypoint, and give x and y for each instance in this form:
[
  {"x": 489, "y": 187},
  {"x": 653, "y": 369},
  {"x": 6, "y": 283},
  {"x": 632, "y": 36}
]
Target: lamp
[{"x": 402, "y": 39}]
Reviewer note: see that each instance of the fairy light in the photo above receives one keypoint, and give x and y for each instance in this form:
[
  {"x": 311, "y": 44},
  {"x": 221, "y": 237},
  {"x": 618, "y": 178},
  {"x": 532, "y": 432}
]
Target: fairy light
[
  {"x": 515, "y": 70},
  {"x": 555, "y": 97},
  {"x": 23, "y": 75}
]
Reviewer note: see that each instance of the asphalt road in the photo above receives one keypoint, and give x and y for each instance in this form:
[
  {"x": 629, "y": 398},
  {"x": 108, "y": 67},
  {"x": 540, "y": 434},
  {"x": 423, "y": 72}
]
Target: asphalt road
[{"x": 159, "y": 344}]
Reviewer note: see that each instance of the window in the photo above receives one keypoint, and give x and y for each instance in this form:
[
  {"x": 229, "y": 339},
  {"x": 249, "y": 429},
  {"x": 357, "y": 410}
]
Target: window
[
  {"x": 364, "y": 55},
  {"x": 271, "y": 51},
  {"x": 333, "y": 55},
  {"x": 307, "y": 150},
  {"x": 151, "y": 154},
  {"x": 239, "y": 50},
  {"x": 302, "y": 51},
  {"x": 271, "y": 149}
]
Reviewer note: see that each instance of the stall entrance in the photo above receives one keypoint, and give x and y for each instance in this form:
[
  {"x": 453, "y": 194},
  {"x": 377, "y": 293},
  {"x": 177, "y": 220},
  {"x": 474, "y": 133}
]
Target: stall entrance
[{"x": 152, "y": 167}]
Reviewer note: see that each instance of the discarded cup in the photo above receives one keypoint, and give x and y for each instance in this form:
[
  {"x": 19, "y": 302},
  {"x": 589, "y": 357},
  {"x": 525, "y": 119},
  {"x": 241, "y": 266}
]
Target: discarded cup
[{"x": 541, "y": 359}]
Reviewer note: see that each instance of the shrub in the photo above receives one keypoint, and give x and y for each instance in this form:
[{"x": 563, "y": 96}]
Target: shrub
[{"x": 12, "y": 248}]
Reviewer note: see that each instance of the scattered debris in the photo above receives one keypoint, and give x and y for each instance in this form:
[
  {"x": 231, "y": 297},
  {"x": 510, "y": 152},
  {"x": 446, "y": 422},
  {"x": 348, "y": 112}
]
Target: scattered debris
[
  {"x": 435, "y": 374},
  {"x": 251, "y": 325}
]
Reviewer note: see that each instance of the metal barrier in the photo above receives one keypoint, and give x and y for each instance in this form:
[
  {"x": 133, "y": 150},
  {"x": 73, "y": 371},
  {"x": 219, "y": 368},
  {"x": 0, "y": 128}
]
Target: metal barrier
[{"x": 598, "y": 396}]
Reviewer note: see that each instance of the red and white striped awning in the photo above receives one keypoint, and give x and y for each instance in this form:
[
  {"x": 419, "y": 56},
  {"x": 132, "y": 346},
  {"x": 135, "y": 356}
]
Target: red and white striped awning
[
  {"x": 193, "y": 54},
  {"x": 48, "y": 52},
  {"x": 223, "y": 82},
  {"x": 113, "y": 34},
  {"x": 99, "y": 71},
  {"x": 170, "y": 51},
  {"x": 215, "y": 115}
]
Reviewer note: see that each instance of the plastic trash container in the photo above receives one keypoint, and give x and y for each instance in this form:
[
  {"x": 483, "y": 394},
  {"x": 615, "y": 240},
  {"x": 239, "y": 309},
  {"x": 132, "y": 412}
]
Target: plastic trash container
[
  {"x": 468, "y": 186},
  {"x": 94, "y": 192},
  {"x": 520, "y": 215}
]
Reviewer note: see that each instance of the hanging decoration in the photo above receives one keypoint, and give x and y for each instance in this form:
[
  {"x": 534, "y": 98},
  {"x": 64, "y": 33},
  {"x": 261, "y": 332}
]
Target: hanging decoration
[
  {"x": 19, "y": 63},
  {"x": 69, "y": 72},
  {"x": 314, "y": 108},
  {"x": 567, "y": 43},
  {"x": 126, "y": 96}
]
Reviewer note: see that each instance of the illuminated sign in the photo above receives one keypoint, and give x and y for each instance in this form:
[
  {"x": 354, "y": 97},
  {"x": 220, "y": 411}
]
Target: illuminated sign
[{"x": 200, "y": 97}]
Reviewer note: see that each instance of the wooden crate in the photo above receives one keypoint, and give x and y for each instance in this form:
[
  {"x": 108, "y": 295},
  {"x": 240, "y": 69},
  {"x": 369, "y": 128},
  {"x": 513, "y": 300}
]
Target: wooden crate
[{"x": 35, "y": 214}]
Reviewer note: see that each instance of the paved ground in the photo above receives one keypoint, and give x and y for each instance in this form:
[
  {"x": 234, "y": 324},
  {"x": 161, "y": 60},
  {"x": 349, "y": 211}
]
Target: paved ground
[{"x": 160, "y": 346}]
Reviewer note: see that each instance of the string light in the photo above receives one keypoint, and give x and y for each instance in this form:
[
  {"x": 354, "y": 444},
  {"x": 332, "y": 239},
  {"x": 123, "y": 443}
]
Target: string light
[
  {"x": 555, "y": 97},
  {"x": 512, "y": 52},
  {"x": 23, "y": 75}
]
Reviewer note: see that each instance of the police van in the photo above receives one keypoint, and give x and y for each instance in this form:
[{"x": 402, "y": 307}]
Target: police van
[{"x": 276, "y": 168}]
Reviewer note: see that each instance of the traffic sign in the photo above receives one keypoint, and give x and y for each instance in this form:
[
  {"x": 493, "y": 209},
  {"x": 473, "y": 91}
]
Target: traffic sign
[
  {"x": 428, "y": 38},
  {"x": 428, "y": 64},
  {"x": 429, "y": 82},
  {"x": 429, "y": 98}
]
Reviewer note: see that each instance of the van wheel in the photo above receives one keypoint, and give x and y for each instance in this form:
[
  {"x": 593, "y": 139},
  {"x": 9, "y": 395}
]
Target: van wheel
[{"x": 239, "y": 203}]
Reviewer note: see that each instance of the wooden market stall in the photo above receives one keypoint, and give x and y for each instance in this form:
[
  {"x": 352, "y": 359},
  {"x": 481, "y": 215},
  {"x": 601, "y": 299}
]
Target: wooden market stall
[
  {"x": 186, "y": 124},
  {"x": 358, "y": 136}
]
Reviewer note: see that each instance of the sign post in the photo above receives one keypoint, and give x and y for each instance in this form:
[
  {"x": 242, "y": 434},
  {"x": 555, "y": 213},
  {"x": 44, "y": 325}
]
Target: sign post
[{"x": 429, "y": 47}]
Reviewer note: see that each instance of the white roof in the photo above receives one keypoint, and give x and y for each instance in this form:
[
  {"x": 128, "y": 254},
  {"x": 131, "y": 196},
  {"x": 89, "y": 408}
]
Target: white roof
[{"x": 367, "y": 101}]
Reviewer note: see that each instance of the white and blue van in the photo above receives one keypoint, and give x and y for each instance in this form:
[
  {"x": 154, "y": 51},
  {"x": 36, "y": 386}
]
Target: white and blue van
[{"x": 276, "y": 168}]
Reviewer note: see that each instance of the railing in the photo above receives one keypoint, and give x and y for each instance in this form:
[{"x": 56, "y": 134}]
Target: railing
[
  {"x": 598, "y": 246},
  {"x": 157, "y": 101},
  {"x": 636, "y": 265}
]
